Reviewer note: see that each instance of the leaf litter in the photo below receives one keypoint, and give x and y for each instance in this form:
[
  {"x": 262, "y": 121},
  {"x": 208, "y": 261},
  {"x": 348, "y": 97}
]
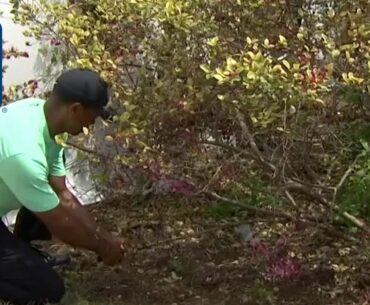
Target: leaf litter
[{"x": 178, "y": 256}]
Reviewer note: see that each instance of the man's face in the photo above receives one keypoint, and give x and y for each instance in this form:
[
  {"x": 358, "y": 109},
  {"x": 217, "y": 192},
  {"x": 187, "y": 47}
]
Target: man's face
[{"x": 78, "y": 116}]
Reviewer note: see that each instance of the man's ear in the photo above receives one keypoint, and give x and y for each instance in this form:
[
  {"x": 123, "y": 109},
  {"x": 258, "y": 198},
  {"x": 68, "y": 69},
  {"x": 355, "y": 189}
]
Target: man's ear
[{"x": 76, "y": 107}]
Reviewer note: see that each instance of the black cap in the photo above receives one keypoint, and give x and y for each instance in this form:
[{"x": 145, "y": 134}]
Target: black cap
[{"x": 85, "y": 87}]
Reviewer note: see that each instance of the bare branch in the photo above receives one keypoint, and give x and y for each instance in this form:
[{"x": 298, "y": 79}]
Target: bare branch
[
  {"x": 84, "y": 149},
  {"x": 360, "y": 224},
  {"x": 308, "y": 220},
  {"x": 274, "y": 213},
  {"x": 303, "y": 189},
  {"x": 231, "y": 148},
  {"x": 252, "y": 142},
  {"x": 290, "y": 197},
  {"x": 347, "y": 173}
]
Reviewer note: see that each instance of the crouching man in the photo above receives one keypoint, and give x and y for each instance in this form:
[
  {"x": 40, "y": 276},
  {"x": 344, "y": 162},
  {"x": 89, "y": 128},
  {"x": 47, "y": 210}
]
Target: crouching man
[{"x": 32, "y": 179}]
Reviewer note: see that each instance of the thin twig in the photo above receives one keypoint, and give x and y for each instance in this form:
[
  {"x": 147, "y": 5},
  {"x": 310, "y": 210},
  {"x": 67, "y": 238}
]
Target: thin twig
[
  {"x": 252, "y": 142},
  {"x": 275, "y": 213},
  {"x": 84, "y": 149},
  {"x": 356, "y": 221},
  {"x": 316, "y": 186},
  {"x": 347, "y": 173},
  {"x": 214, "y": 177},
  {"x": 303, "y": 189},
  {"x": 291, "y": 199}
]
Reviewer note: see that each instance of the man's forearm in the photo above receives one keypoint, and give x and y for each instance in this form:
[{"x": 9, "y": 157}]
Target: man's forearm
[
  {"x": 73, "y": 217},
  {"x": 84, "y": 218},
  {"x": 71, "y": 223}
]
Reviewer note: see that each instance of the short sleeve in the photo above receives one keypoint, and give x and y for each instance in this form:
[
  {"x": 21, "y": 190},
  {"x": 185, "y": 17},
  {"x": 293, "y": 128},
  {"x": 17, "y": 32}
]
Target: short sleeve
[
  {"x": 56, "y": 167},
  {"x": 27, "y": 178}
]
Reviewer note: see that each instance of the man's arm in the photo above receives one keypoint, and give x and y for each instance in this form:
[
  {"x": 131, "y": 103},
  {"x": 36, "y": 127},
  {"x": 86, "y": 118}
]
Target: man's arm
[
  {"x": 63, "y": 215},
  {"x": 59, "y": 185},
  {"x": 72, "y": 223}
]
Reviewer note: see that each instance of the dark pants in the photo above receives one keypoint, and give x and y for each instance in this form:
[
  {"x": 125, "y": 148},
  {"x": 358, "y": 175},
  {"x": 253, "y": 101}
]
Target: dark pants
[{"x": 25, "y": 278}]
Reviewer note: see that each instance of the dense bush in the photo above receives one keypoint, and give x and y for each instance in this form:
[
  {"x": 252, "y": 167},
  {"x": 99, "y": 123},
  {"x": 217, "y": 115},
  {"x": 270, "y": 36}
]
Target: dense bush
[{"x": 256, "y": 99}]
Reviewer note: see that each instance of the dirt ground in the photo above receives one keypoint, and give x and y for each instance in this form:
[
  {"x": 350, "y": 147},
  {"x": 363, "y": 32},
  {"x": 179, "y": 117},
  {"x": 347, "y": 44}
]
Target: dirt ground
[{"x": 179, "y": 254}]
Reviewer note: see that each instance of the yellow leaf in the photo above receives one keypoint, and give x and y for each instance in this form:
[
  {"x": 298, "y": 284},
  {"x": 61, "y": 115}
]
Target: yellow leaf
[
  {"x": 348, "y": 55},
  {"x": 251, "y": 75},
  {"x": 335, "y": 53},
  {"x": 352, "y": 78},
  {"x": 252, "y": 55},
  {"x": 277, "y": 68},
  {"x": 345, "y": 77},
  {"x": 74, "y": 39},
  {"x": 319, "y": 100},
  {"x": 219, "y": 77},
  {"x": 331, "y": 13},
  {"x": 286, "y": 64},
  {"x": 61, "y": 139},
  {"x": 249, "y": 40},
  {"x": 112, "y": 63},
  {"x": 282, "y": 40},
  {"x": 280, "y": 69},
  {"x": 300, "y": 36},
  {"x": 124, "y": 117},
  {"x": 85, "y": 131},
  {"x": 213, "y": 42},
  {"x": 230, "y": 61},
  {"x": 204, "y": 68}
]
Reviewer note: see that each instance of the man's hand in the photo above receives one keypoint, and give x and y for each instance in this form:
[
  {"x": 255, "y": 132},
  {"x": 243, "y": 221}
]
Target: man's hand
[{"x": 113, "y": 254}]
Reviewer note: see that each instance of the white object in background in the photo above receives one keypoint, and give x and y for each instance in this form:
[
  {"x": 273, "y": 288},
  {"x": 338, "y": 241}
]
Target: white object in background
[
  {"x": 21, "y": 69},
  {"x": 79, "y": 179}
]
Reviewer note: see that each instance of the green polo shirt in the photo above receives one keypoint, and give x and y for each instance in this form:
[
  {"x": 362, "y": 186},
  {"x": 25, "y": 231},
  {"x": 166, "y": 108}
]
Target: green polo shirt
[{"x": 28, "y": 156}]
